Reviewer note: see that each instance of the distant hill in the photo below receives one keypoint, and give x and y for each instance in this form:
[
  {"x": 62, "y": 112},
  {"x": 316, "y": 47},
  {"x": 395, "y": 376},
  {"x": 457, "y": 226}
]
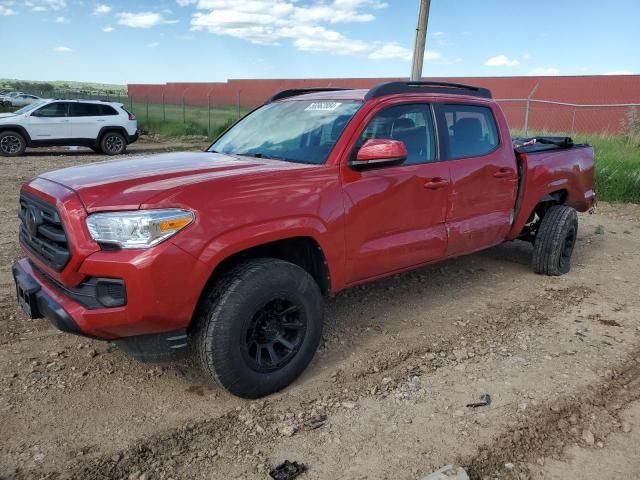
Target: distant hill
[{"x": 61, "y": 86}]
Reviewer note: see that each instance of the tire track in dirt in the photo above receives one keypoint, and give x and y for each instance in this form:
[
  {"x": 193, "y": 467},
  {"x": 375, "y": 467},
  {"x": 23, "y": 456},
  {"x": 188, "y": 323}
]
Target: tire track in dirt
[
  {"x": 583, "y": 417},
  {"x": 240, "y": 430}
]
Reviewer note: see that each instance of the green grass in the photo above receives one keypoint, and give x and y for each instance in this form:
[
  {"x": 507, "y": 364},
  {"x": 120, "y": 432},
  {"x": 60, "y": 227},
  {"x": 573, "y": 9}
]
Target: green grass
[
  {"x": 174, "y": 120},
  {"x": 617, "y": 168}
]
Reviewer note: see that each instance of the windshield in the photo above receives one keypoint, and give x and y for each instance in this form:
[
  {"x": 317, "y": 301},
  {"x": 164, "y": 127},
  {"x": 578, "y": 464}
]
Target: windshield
[
  {"x": 29, "y": 107},
  {"x": 302, "y": 131}
]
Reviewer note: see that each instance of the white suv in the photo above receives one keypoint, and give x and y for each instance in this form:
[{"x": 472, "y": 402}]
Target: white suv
[{"x": 103, "y": 126}]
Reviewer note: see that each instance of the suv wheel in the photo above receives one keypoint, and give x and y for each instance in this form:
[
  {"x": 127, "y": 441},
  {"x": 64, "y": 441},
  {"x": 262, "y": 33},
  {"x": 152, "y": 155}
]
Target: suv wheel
[
  {"x": 113, "y": 143},
  {"x": 258, "y": 328},
  {"x": 555, "y": 241},
  {"x": 12, "y": 144}
]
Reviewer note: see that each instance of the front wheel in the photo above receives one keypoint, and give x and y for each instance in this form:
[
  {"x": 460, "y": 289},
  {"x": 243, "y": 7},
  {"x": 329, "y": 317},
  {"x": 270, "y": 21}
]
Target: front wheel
[
  {"x": 113, "y": 143},
  {"x": 555, "y": 241},
  {"x": 258, "y": 327}
]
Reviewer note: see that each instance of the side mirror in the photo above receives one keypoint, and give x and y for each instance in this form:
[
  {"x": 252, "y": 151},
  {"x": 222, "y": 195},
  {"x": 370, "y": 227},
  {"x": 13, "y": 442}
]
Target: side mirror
[
  {"x": 36, "y": 114},
  {"x": 380, "y": 152}
]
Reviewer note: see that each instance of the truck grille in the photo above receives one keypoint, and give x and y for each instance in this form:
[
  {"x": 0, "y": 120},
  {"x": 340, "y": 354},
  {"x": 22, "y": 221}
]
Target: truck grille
[{"x": 42, "y": 233}]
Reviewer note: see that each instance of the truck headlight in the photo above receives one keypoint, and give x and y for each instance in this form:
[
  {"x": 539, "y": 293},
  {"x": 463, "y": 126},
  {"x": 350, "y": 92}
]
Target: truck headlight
[{"x": 137, "y": 229}]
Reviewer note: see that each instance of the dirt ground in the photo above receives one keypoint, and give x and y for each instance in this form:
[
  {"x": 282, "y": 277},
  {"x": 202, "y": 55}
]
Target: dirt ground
[{"x": 385, "y": 397}]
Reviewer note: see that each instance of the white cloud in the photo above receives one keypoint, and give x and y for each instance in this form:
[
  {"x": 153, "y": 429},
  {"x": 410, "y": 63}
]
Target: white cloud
[
  {"x": 61, "y": 49},
  {"x": 45, "y": 5},
  {"x": 391, "y": 50},
  {"x": 501, "y": 61},
  {"x": 6, "y": 11},
  {"x": 61, "y": 20},
  {"x": 102, "y": 9},
  {"x": 142, "y": 20},
  {"x": 619, "y": 72},
  {"x": 526, "y": 56},
  {"x": 108, "y": 29},
  {"x": 431, "y": 56},
  {"x": 153, "y": 44},
  {"x": 545, "y": 71},
  {"x": 268, "y": 22},
  {"x": 437, "y": 34}
]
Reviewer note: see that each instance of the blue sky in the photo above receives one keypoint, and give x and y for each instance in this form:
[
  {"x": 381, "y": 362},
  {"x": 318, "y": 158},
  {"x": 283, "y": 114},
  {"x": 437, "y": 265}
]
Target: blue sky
[{"x": 213, "y": 40}]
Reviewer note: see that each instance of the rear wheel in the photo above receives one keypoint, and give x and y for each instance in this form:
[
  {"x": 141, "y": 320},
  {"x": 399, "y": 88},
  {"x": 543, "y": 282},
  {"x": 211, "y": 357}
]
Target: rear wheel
[
  {"x": 113, "y": 143},
  {"x": 12, "y": 144},
  {"x": 259, "y": 327},
  {"x": 555, "y": 240}
]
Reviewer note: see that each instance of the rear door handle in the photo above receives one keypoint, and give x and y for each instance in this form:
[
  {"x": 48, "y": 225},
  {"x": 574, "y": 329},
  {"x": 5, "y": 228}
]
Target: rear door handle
[
  {"x": 436, "y": 183},
  {"x": 503, "y": 173}
]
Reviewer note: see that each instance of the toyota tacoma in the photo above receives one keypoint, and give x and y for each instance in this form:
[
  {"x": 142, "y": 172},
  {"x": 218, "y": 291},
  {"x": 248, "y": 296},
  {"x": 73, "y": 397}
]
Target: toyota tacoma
[{"x": 227, "y": 253}]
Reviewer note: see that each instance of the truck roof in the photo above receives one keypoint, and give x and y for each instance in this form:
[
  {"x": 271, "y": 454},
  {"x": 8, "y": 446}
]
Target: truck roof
[{"x": 383, "y": 89}]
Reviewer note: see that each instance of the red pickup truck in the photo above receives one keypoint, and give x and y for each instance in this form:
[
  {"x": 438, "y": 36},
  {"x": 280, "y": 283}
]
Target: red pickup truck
[{"x": 229, "y": 251}]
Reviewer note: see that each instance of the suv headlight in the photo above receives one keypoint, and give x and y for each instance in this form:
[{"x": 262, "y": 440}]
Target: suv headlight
[{"x": 137, "y": 229}]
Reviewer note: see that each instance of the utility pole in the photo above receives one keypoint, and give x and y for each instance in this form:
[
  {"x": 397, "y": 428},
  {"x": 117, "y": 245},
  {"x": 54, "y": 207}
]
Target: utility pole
[{"x": 421, "y": 39}]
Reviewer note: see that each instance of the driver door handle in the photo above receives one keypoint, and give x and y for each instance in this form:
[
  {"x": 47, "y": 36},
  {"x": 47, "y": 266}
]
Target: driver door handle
[{"x": 436, "y": 183}]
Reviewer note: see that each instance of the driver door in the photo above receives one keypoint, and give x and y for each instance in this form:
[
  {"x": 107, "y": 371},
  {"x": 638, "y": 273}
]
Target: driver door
[
  {"x": 50, "y": 122},
  {"x": 396, "y": 215}
]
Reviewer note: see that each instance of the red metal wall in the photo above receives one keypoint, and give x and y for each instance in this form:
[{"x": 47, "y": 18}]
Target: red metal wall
[{"x": 592, "y": 89}]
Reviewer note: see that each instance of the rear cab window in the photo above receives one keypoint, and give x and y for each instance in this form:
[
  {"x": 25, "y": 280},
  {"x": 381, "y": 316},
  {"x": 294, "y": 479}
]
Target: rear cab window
[{"x": 471, "y": 130}]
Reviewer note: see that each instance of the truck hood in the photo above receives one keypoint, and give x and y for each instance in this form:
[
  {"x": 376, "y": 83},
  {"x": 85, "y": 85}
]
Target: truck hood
[
  {"x": 127, "y": 184},
  {"x": 4, "y": 116}
]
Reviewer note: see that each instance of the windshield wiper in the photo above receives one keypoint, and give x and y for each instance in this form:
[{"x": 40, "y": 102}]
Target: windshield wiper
[
  {"x": 262, "y": 155},
  {"x": 272, "y": 157}
]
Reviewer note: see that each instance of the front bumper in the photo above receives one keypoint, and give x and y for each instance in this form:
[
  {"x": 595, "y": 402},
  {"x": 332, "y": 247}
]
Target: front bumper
[
  {"x": 41, "y": 299},
  {"x": 42, "y": 303},
  {"x": 160, "y": 295}
]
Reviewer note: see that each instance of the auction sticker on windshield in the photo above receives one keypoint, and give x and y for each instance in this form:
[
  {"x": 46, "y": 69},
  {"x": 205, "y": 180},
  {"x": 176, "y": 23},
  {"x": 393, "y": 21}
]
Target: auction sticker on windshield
[{"x": 323, "y": 106}]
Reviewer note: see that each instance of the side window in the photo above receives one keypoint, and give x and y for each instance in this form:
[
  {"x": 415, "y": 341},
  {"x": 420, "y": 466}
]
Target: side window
[
  {"x": 411, "y": 124},
  {"x": 107, "y": 110},
  {"x": 56, "y": 109},
  {"x": 85, "y": 110},
  {"x": 472, "y": 130}
]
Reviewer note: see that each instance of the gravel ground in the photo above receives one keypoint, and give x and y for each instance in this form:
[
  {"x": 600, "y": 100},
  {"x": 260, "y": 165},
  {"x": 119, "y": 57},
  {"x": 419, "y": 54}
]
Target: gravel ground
[{"x": 386, "y": 395}]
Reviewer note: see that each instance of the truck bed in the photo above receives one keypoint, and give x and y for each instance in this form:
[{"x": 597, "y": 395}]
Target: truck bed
[{"x": 564, "y": 168}]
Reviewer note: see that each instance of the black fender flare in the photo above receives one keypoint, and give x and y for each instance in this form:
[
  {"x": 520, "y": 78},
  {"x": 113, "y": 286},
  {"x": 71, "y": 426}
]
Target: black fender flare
[
  {"x": 113, "y": 128},
  {"x": 17, "y": 128}
]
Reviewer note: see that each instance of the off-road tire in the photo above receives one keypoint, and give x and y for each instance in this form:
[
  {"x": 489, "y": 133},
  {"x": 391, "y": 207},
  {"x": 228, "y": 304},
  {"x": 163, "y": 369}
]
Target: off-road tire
[
  {"x": 555, "y": 241},
  {"x": 233, "y": 303},
  {"x": 12, "y": 144},
  {"x": 113, "y": 143}
]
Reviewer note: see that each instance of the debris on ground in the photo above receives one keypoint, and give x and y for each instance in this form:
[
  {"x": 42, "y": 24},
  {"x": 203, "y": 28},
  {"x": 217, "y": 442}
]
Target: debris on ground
[
  {"x": 287, "y": 470},
  {"x": 485, "y": 401},
  {"x": 315, "y": 422},
  {"x": 449, "y": 472}
]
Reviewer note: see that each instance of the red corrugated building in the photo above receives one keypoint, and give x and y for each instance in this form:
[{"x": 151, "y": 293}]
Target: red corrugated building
[{"x": 581, "y": 90}]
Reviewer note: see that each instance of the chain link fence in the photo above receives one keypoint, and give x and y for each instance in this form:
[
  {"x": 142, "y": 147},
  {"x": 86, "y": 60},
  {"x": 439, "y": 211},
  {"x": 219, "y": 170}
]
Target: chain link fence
[
  {"x": 189, "y": 115},
  {"x": 531, "y": 115},
  {"x": 176, "y": 115}
]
